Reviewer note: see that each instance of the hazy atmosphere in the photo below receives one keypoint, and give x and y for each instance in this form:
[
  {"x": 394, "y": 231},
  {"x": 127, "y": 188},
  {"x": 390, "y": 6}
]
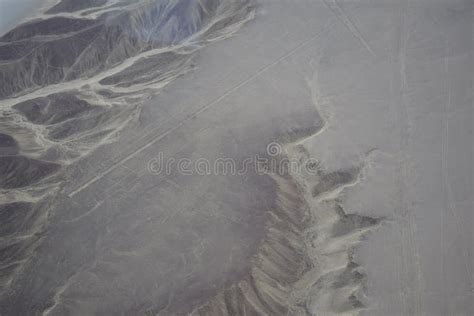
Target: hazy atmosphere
[
  {"x": 236, "y": 157},
  {"x": 12, "y": 12}
]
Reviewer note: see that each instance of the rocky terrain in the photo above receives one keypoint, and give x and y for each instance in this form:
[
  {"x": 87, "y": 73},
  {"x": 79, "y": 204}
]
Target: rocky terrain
[{"x": 361, "y": 113}]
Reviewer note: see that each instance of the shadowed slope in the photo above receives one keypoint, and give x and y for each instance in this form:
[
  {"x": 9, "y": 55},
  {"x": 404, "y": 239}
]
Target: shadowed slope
[{"x": 304, "y": 265}]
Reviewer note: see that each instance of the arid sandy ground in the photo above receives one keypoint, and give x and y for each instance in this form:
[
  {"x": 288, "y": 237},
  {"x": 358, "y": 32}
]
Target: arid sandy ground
[{"x": 378, "y": 95}]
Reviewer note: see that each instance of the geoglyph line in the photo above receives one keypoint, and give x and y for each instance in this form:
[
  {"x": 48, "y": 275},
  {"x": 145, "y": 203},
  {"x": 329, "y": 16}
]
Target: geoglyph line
[{"x": 200, "y": 111}]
